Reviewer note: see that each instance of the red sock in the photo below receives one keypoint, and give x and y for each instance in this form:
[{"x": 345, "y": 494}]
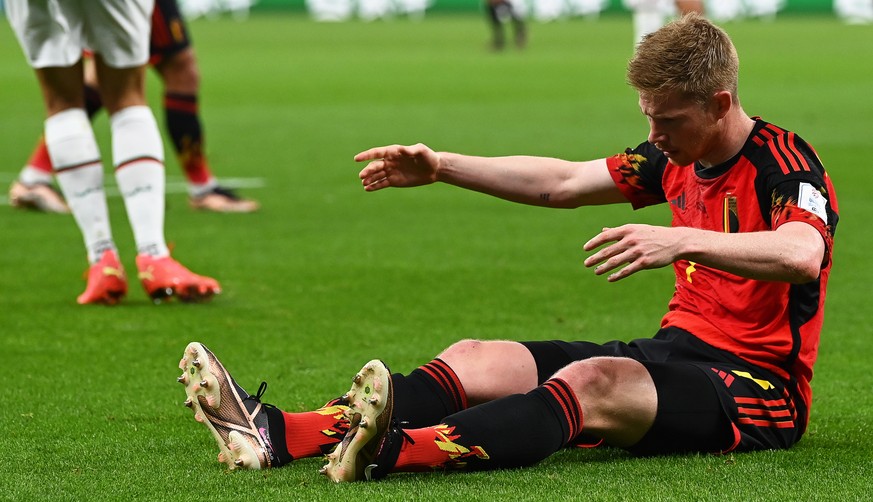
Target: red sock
[
  {"x": 314, "y": 433},
  {"x": 40, "y": 159},
  {"x": 435, "y": 448}
]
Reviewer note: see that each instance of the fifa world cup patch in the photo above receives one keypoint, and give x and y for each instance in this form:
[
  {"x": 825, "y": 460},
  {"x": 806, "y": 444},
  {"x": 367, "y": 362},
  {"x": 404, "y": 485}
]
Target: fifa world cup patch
[{"x": 812, "y": 200}]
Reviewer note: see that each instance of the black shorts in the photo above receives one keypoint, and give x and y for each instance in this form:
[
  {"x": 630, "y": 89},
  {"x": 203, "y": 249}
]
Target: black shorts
[
  {"x": 169, "y": 32},
  {"x": 708, "y": 400}
]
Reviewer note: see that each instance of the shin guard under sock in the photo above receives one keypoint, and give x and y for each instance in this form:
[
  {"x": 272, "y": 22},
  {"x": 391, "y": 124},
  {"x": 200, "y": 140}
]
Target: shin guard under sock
[
  {"x": 74, "y": 153},
  {"x": 513, "y": 431},
  {"x": 427, "y": 395},
  {"x": 138, "y": 155}
]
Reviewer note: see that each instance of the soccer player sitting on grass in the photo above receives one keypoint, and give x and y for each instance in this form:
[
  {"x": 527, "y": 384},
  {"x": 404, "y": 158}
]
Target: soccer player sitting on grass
[{"x": 729, "y": 369}]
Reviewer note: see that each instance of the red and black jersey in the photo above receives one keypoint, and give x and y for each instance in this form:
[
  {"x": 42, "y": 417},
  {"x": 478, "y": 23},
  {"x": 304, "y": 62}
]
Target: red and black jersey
[{"x": 776, "y": 178}]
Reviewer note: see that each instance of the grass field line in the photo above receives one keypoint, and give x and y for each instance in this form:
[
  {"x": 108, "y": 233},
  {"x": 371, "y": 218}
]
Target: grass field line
[{"x": 175, "y": 184}]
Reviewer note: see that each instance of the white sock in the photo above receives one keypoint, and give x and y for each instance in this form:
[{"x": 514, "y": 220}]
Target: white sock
[
  {"x": 201, "y": 189},
  {"x": 76, "y": 159},
  {"x": 138, "y": 156},
  {"x": 32, "y": 176}
]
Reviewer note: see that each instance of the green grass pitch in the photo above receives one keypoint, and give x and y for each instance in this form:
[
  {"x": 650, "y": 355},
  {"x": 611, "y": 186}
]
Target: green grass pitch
[{"x": 326, "y": 277}]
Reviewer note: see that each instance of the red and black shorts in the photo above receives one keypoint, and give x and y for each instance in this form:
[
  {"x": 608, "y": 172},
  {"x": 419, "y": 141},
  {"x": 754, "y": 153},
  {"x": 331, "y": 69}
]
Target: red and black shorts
[
  {"x": 709, "y": 400},
  {"x": 169, "y": 32}
]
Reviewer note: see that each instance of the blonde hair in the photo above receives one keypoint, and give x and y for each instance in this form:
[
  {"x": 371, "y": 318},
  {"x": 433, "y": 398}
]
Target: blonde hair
[{"x": 690, "y": 55}]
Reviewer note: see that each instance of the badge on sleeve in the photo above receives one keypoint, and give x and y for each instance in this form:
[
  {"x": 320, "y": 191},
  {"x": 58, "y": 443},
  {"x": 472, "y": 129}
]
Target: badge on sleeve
[{"x": 812, "y": 200}]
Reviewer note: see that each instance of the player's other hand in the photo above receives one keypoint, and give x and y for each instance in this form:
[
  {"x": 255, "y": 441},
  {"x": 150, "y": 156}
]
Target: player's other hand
[
  {"x": 635, "y": 247},
  {"x": 398, "y": 166}
]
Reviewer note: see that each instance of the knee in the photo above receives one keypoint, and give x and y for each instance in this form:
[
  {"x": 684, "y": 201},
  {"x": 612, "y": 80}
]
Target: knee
[
  {"x": 617, "y": 396},
  {"x": 491, "y": 369},
  {"x": 594, "y": 377},
  {"x": 462, "y": 349},
  {"x": 180, "y": 72},
  {"x": 484, "y": 353}
]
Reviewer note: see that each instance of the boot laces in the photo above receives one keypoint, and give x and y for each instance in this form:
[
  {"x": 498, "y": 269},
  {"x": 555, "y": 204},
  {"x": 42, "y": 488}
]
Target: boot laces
[{"x": 262, "y": 389}]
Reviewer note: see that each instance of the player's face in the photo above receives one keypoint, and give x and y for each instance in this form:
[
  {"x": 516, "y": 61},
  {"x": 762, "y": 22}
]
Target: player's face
[{"x": 679, "y": 126}]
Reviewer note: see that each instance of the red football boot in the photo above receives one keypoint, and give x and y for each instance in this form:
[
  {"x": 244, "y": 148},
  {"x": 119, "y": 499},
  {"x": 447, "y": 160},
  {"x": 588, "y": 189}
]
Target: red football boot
[
  {"x": 164, "y": 278},
  {"x": 106, "y": 281}
]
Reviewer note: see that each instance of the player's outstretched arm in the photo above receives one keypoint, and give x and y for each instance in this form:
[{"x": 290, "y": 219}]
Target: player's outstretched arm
[{"x": 540, "y": 181}]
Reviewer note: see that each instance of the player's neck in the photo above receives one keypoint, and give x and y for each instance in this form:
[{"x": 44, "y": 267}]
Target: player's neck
[{"x": 737, "y": 128}]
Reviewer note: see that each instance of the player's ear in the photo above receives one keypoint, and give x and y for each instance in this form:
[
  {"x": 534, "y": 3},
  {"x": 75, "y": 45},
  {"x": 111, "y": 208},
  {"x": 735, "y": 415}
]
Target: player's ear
[{"x": 721, "y": 103}]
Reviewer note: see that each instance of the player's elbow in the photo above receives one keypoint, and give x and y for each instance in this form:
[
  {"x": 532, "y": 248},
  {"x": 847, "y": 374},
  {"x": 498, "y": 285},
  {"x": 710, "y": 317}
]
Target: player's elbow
[
  {"x": 803, "y": 275},
  {"x": 802, "y": 252},
  {"x": 805, "y": 266}
]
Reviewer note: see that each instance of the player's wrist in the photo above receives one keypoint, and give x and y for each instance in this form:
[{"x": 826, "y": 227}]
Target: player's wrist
[
  {"x": 442, "y": 167},
  {"x": 692, "y": 243}
]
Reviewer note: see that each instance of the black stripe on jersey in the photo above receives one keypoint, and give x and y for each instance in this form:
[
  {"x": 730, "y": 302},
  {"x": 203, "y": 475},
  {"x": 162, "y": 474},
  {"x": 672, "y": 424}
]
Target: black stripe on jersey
[
  {"x": 793, "y": 150},
  {"x": 803, "y": 304}
]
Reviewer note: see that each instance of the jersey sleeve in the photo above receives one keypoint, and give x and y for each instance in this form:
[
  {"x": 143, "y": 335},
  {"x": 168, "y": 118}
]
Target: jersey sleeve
[
  {"x": 638, "y": 173},
  {"x": 795, "y": 187}
]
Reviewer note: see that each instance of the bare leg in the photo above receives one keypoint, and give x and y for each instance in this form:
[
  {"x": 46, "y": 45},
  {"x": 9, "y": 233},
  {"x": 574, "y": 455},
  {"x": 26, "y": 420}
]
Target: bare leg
[
  {"x": 120, "y": 87},
  {"x": 62, "y": 88}
]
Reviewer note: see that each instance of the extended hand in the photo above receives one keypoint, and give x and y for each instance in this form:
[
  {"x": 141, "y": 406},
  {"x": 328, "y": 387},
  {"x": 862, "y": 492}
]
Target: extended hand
[
  {"x": 638, "y": 247},
  {"x": 398, "y": 166}
]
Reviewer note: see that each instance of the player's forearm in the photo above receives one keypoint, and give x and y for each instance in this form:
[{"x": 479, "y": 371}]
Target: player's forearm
[
  {"x": 539, "y": 181},
  {"x": 789, "y": 255}
]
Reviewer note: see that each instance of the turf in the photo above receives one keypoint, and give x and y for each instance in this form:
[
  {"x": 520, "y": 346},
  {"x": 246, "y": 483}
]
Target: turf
[{"x": 326, "y": 277}]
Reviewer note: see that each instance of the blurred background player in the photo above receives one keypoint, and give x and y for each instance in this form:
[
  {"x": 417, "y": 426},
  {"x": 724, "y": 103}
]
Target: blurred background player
[
  {"x": 53, "y": 36},
  {"x": 854, "y": 11},
  {"x": 173, "y": 58},
  {"x": 649, "y": 15},
  {"x": 501, "y": 13}
]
